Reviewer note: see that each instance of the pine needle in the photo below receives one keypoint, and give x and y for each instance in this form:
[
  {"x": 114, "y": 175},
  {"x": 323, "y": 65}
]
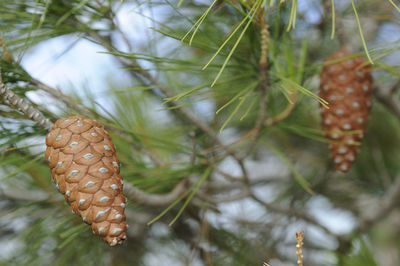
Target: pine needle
[
  {"x": 293, "y": 14},
  {"x": 24, "y": 167},
  {"x": 250, "y": 17},
  {"x": 302, "y": 61},
  {"x": 253, "y": 101},
  {"x": 184, "y": 94},
  {"x": 180, "y": 3},
  {"x": 299, "y": 178},
  {"x": 204, "y": 85},
  {"x": 76, "y": 229},
  {"x": 333, "y": 20},
  {"x": 71, "y": 234},
  {"x": 398, "y": 9},
  {"x": 286, "y": 92},
  {"x": 361, "y": 32},
  {"x": 241, "y": 101},
  {"x": 236, "y": 43},
  {"x": 319, "y": 135},
  {"x": 196, "y": 25},
  {"x": 305, "y": 91},
  {"x": 227, "y": 39},
  {"x": 69, "y": 13},
  {"x": 169, "y": 207},
  {"x": 43, "y": 16},
  {"x": 252, "y": 85},
  {"x": 194, "y": 190}
]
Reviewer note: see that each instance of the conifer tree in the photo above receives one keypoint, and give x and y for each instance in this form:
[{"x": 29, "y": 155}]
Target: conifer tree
[{"x": 222, "y": 114}]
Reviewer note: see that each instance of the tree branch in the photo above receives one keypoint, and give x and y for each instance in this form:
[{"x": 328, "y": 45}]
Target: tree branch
[
  {"x": 380, "y": 208},
  {"x": 139, "y": 197},
  {"x": 17, "y": 102}
]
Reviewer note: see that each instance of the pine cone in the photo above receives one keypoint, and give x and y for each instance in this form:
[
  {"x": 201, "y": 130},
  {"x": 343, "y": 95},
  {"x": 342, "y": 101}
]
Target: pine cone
[
  {"x": 347, "y": 86},
  {"x": 84, "y": 168}
]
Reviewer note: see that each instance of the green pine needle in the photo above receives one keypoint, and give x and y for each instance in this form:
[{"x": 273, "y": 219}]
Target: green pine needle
[
  {"x": 250, "y": 17},
  {"x": 361, "y": 33},
  {"x": 241, "y": 101},
  {"x": 250, "y": 106},
  {"x": 196, "y": 25},
  {"x": 304, "y": 91},
  {"x": 69, "y": 13},
  {"x": 395, "y": 6},
  {"x": 194, "y": 190},
  {"x": 227, "y": 40},
  {"x": 245, "y": 90},
  {"x": 24, "y": 167},
  {"x": 333, "y": 20},
  {"x": 293, "y": 14},
  {"x": 299, "y": 178}
]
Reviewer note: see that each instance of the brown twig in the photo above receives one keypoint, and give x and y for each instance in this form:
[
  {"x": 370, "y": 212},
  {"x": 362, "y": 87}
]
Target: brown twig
[
  {"x": 382, "y": 207},
  {"x": 205, "y": 232},
  {"x": 285, "y": 113},
  {"x": 294, "y": 212},
  {"x": 17, "y": 102},
  {"x": 193, "y": 155},
  {"x": 139, "y": 197},
  {"x": 6, "y": 55},
  {"x": 263, "y": 65},
  {"x": 237, "y": 184},
  {"x": 22, "y": 105}
]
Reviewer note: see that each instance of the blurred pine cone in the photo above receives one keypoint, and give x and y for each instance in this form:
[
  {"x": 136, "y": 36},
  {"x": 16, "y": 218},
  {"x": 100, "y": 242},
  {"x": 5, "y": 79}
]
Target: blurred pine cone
[
  {"x": 347, "y": 86},
  {"x": 84, "y": 168}
]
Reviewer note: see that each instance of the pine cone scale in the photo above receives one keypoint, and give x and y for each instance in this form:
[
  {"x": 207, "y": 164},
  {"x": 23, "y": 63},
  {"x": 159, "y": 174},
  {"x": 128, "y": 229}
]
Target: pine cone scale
[{"x": 76, "y": 145}]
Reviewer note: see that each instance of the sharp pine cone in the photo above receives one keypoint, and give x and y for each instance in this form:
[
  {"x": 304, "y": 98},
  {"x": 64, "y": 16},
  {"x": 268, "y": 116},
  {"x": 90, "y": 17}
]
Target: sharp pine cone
[
  {"x": 84, "y": 168},
  {"x": 347, "y": 86}
]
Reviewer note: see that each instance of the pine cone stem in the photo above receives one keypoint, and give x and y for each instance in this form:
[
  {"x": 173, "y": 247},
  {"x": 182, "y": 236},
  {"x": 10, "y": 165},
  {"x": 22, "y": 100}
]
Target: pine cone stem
[{"x": 22, "y": 105}]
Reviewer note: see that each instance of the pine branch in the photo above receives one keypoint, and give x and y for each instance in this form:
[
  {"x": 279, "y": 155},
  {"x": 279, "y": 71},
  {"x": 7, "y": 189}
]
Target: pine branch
[
  {"x": 22, "y": 105},
  {"x": 296, "y": 213},
  {"x": 263, "y": 74},
  {"x": 383, "y": 207},
  {"x": 142, "y": 198},
  {"x": 23, "y": 195}
]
